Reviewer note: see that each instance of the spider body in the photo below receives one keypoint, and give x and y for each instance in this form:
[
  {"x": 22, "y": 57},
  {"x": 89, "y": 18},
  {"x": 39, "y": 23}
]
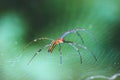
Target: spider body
[
  {"x": 54, "y": 43},
  {"x": 60, "y": 40}
]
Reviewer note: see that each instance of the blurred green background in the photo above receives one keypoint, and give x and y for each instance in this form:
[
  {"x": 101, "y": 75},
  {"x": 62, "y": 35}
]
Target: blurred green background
[{"x": 21, "y": 21}]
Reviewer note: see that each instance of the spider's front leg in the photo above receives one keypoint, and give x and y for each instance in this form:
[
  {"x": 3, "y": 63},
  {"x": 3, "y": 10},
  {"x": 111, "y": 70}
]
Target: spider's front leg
[{"x": 74, "y": 31}]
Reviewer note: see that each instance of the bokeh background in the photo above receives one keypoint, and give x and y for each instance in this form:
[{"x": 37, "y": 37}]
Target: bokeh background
[{"x": 21, "y": 21}]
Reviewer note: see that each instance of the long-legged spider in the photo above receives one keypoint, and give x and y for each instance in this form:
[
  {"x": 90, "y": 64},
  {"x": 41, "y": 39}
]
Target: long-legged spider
[{"x": 61, "y": 40}]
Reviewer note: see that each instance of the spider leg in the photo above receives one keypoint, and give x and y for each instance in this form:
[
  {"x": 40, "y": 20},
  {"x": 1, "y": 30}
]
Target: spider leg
[
  {"x": 73, "y": 31},
  {"x": 60, "y": 53},
  {"x": 76, "y": 31},
  {"x": 75, "y": 48},
  {"x": 80, "y": 37},
  {"x": 73, "y": 44},
  {"x": 84, "y": 47},
  {"x": 38, "y": 52},
  {"x": 88, "y": 32},
  {"x": 38, "y": 39}
]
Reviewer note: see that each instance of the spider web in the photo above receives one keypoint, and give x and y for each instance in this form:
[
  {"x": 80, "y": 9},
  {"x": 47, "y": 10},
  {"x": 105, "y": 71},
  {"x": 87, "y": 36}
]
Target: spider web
[{"x": 13, "y": 62}]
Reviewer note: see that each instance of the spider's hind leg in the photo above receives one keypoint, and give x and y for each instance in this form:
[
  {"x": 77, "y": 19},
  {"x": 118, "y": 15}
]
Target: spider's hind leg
[
  {"x": 35, "y": 40},
  {"x": 38, "y": 52}
]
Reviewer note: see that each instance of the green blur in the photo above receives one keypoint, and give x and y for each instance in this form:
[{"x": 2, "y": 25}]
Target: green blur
[{"x": 22, "y": 21}]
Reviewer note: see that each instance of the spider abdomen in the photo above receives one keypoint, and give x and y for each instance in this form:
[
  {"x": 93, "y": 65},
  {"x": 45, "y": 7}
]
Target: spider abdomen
[{"x": 54, "y": 43}]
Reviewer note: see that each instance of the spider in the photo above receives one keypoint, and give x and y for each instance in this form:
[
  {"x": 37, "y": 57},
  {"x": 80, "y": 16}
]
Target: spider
[{"x": 61, "y": 40}]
